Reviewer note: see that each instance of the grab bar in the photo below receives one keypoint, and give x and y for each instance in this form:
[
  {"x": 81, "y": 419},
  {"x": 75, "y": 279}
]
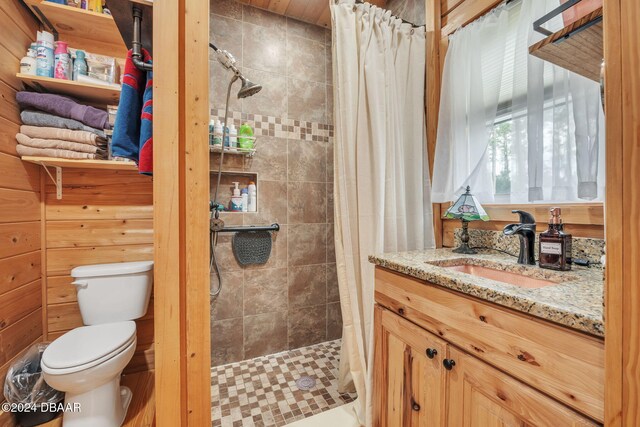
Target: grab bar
[{"x": 272, "y": 227}]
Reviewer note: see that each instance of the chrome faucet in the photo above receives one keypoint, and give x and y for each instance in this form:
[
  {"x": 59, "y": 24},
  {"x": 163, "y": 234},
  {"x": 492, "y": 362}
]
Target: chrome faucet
[{"x": 526, "y": 230}]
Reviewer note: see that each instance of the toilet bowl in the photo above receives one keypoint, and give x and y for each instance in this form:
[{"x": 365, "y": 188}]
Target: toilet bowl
[{"x": 87, "y": 362}]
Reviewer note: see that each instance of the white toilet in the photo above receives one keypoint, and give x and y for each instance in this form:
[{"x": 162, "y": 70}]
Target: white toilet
[{"x": 86, "y": 363}]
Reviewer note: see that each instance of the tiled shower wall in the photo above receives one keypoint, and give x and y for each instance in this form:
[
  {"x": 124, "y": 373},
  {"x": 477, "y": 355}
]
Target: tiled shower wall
[
  {"x": 410, "y": 10},
  {"x": 293, "y": 300}
]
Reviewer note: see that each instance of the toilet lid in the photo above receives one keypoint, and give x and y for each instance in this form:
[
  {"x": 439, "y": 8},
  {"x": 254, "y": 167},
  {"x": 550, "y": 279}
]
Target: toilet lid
[{"x": 86, "y": 344}]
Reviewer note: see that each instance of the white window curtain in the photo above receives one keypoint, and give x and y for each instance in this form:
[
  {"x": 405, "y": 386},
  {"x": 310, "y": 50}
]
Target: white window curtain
[
  {"x": 381, "y": 179},
  {"x": 556, "y": 120}
]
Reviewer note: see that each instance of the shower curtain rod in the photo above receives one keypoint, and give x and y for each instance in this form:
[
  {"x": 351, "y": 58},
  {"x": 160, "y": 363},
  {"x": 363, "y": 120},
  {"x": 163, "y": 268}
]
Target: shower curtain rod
[{"x": 397, "y": 17}]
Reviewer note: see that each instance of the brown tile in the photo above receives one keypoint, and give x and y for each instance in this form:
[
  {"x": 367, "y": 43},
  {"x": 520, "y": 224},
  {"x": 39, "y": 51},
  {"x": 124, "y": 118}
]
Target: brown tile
[
  {"x": 302, "y": 59},
  {"x": 307, "y": 100},
  {"x": 265, "y": 334},
  {"x": 329, "y": 104},
  {"x": 307, "y": 203},
  {"x": 263, "y": 48},
  {"x": 272, "y": 99},
  {"x": 307, "y": 326},
  {"x": 303, "y": 29},
  {"x": 327, "y": 36},
  {"x": 224, "y": 253},
  {"x": 331, "y": 247},
  {"x": 330, "y": 205},
  {"x": 330, "y": 160},
  {"x": 228, "y": 304},
  {"x": 263, "y": 18},
  {"x": 226, "y": 34},
  {"x": 272, "y": 204},
  {"x": 307, "y": 161},
  {"x": 328, "y": 65},
  {"x": 218, "y": 88},
  {"x": 333, "y": 291},
  {"x": 229, "y": 8},
  {"x": 226, "y": 341},
  {"x": 270, "y": 162},
  {"x": 334, "y": 321},
  {"x": 265, "y": 291},
  {"x": 230, "y": 163},
  {"x": 307, "y": 285},
  {"x": 307, "y": 244}
]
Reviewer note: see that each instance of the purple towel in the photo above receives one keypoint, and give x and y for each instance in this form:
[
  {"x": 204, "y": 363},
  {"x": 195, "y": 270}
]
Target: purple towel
[{"x": 64, "y": 107}]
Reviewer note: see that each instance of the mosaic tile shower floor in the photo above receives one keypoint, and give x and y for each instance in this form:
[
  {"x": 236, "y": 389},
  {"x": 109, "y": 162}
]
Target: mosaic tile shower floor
[{"x": 262, "y": 392}]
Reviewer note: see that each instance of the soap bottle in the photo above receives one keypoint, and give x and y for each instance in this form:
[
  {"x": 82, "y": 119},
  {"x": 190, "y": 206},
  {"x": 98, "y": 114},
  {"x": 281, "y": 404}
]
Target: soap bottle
[
  {"x": 245, "y": 139},
  {"x": 233, "y": 136},
  {"x": 80, "y": 67},
  {"x": 236, "y": 199},
  {"x": 555, "y": 245},
  {"x": 253, "y": 197},
  {"x": 212, "y": 126},
  {"x": 28, "y": 63}
]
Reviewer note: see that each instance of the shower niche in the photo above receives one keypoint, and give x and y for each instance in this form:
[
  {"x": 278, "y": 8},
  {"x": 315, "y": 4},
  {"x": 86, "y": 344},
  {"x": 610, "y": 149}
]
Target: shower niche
[{"x": 227, "y": 185}]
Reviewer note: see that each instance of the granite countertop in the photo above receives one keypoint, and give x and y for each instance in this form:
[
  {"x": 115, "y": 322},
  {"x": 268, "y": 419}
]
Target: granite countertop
[{"x": 576, "y": 301}]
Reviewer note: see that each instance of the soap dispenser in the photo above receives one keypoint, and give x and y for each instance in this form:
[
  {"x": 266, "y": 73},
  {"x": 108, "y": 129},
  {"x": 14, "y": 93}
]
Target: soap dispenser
[
  {"x": 236, "y": 199},
  {"x": 555, "y": 244}
]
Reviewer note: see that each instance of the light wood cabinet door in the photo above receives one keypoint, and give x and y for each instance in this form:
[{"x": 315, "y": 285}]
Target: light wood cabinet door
[
  {"x": 409, "y": 379},
  {"x": 482, "y": 396}
]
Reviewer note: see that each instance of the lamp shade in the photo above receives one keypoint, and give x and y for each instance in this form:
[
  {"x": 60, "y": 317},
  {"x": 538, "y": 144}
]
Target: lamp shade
[{"x": 467, "y": 208}]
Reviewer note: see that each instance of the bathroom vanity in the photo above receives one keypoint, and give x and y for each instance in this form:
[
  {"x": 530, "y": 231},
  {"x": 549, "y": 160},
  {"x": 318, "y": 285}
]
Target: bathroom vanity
[{"x": 454, "y": 346}]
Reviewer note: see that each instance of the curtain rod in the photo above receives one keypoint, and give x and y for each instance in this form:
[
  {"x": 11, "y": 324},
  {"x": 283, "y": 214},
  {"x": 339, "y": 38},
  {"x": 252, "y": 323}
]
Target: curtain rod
[{"x": 397, "y": 17}]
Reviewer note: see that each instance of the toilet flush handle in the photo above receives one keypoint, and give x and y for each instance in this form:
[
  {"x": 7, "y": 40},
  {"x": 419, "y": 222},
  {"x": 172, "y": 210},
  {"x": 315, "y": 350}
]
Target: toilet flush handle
[{"x": 80, "y": 284}]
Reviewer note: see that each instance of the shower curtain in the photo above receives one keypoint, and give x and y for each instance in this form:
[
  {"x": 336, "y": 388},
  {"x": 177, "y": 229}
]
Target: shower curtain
[{"x": 381, "y": 183}]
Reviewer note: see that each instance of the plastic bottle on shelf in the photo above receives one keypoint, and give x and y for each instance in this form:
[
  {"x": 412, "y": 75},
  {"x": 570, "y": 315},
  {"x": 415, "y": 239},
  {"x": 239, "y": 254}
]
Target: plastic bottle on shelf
[
  {"x": 28, "y": 63},
  {"x": 245, "y": 139},
  {"x": 212, "y": 125},
  {"x": 233, "y": 136},
  {"x": 80, "y": 67},
  {"x": 62, "y": 61},
  {"x": 217, "y": 133},
  {"x": 236, "y": 199},
  {"x": 44, "y": 54},
  {"x": 253, "y": 197},
  {"x": 245, "y": 199}
]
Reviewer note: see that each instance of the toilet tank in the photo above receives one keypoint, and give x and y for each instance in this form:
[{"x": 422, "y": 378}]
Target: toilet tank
[{"x": 113, "y": 292}]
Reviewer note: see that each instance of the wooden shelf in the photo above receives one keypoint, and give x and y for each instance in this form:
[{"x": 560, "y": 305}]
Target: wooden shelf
[
  {"x": 84, "y": 164},
  {"x": 91, "y": 93},
  {"x": 97, "y": 30},
  {"x": 577, "y": 47}
]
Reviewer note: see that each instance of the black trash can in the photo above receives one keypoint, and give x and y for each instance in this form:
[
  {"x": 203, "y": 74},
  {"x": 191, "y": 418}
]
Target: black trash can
[{"x": 29, "y": 397}]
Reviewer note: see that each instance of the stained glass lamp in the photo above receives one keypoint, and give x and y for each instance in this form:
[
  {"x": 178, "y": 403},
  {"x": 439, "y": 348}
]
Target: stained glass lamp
[{"x": 466, "y": 208}]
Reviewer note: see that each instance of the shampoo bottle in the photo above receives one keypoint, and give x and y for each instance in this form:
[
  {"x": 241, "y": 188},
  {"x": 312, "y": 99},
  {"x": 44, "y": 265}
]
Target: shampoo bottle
[
  {"x": 236, "y": 199},
  {"x": 253, "y": 197},
  {"x": 217, "y": 133},
  {"x": 245, "y": 139},
  {"x": 212, "y": 126},
  {"x": 233, "y": 136},
  {"x": 245, "y": 199}
]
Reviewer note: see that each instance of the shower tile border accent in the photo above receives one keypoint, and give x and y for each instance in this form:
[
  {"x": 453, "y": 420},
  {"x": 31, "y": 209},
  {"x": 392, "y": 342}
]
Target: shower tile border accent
[
  {"x": 263, "y": 391},
  {"x": 279, "y": 127}
]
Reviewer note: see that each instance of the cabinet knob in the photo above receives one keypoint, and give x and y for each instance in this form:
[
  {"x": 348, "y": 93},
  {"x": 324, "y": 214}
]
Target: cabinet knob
[
  {"x": 415, "y": 406},
  {"x": 431, "y": 353},
  {"x": 449, "y": 364}
]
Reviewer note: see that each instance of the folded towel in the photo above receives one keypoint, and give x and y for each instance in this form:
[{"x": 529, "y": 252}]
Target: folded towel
[
  {"x": 24, "y": 150},
  {"x": 64, "y": 107},
  {"x": 132, "y": 131},
  {"x": 59, "y": 144},
  {"x": 79, "y": 136},
  {"x": 40, "y": 118}
]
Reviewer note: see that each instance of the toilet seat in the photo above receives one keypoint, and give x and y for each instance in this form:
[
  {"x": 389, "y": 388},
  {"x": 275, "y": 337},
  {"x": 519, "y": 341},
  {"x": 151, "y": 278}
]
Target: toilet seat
[{"x": 87, "y": 346}]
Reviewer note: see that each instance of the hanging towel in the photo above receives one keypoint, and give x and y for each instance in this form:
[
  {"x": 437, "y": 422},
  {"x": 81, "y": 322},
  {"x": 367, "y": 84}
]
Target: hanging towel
[
  {"x": 24, "y": 150},
  {"x": 40, "y": 118},
  {"x": 145, "y": 165},
  {"x": 61, "y": 145},
  {"x": 64, "y": 107},
  {"x": 132, "y": 133},
  {"x": 78, "y": 136}
]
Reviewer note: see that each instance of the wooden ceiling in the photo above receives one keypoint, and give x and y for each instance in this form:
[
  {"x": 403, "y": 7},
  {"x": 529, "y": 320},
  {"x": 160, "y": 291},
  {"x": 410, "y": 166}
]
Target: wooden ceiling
[{"x": 312, "y": 11}]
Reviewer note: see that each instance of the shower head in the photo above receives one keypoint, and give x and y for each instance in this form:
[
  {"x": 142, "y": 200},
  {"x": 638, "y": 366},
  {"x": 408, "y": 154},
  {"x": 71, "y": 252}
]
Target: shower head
[
  {"x": 229, "y": 62},
  {"x": 248, "y": 88}
]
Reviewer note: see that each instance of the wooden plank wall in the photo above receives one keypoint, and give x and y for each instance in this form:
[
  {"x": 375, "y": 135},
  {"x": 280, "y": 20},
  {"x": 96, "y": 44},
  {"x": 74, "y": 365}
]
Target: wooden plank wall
[
  {"x": 20, "y": 227},
  {"x": 104, "y": 216},
  {"x": 582, "y": 220}
]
